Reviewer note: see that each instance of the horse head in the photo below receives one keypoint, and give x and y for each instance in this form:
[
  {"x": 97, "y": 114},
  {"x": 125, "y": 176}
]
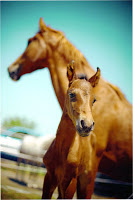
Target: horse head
[
  {"x": 80, "y": 99},
  {"x": 37, "y": 53}
]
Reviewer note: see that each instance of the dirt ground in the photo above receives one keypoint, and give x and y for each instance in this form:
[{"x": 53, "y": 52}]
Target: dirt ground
[{"x": 24, "y": 186}]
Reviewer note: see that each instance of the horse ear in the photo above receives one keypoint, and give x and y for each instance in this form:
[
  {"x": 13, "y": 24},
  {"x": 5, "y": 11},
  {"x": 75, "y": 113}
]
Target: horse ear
[
  {"x": 95, "y": 79},
  {"x": 42, "y": 25},
  {"x": 71, "y": 71}
]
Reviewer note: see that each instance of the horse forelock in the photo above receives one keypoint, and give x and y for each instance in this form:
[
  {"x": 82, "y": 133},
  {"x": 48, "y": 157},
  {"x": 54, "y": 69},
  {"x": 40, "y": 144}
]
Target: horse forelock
[
  {"x": 51, "y": 30},
  {"x": 82, "y": 76}
]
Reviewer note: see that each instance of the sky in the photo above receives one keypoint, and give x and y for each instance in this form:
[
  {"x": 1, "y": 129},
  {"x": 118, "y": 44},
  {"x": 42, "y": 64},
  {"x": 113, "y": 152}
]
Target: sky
[{"x": 101, "y": 30}]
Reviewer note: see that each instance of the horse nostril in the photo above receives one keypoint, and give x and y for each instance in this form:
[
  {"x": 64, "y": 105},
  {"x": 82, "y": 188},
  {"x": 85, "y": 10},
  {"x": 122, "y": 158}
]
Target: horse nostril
[
  {"x": 93, "y": 123},
  {"x": 82, "y": 123},
  {"x": 12, "y": 74}
]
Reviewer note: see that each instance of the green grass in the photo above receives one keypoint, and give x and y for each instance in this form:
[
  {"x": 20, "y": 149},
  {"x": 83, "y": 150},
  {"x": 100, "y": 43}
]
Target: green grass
[
  {"x": 13, "y": 190},
  {"x": 9, "y": 194},
  {"x": 40, "y": 173}
]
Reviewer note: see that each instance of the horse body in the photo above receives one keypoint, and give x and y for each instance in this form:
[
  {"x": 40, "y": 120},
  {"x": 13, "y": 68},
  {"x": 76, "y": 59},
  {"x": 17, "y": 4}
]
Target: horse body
[
  {"x": 117, "y": 158},
  {"x": 115, "y": 134},
  {"x": 75, "y": 142},
  {"x": 112, "y": 113},
  {"x": 71, "y": 163}
]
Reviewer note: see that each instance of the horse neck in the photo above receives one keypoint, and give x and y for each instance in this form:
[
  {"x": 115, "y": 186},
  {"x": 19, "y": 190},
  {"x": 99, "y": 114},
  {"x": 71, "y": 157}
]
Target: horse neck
[
  {"x": 61, "y": 56},
  {"x": 59, "y": 80},
  {"x": 66, "y": 134}
]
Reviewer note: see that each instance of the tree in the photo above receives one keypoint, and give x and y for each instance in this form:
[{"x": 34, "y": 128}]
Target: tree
[{"x": 17, "y": 121}]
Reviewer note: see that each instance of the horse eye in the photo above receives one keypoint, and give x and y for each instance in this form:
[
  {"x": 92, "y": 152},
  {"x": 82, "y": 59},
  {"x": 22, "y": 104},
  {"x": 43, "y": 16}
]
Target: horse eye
[
  {"x": 29, "y": 41},
  {"x": 94, "y": 101},
  {"x": 72, "y": 97}
]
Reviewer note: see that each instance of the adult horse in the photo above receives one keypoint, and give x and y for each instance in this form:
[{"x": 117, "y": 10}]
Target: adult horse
[{"x": 112, "y": 112}]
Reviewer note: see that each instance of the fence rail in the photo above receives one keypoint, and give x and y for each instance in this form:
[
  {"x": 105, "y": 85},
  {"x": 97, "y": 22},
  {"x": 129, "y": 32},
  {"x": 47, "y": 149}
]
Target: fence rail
[
  {"x": 14, "y": 155},
  {"x": 104, "y": 186},
  {"x": 21, "y": 168}
]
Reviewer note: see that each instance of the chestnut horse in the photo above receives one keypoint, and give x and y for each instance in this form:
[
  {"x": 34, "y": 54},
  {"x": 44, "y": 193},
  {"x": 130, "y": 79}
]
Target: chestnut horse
[
  {"x": 112, "y": 112},
  {"x": 73, "y": 153}
]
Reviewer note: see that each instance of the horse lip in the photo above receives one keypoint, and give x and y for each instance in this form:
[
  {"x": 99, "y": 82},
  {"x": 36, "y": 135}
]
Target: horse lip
[
  {"x": 15, "y": 74},
  {"x": 83, "y": 132}
]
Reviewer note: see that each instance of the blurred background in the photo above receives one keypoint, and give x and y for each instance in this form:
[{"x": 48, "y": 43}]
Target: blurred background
[{"x": 101, "y": 30}]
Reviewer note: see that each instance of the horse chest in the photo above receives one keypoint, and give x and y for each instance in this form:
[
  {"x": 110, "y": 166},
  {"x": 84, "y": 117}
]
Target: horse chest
[{"x": 80, "y": 153}]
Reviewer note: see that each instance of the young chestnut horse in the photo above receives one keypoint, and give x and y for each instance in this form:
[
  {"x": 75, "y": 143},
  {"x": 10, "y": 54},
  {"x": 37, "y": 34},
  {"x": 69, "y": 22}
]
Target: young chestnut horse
[
  {"x": 73, "y": 155},
  {"x": 112, "y": 112}
]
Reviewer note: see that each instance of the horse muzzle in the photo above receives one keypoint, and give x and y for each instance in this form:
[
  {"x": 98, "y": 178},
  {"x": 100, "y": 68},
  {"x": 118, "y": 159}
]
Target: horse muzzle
[
  {"x": 84, "y": 130},
  {"x": 14, "y": 72}
]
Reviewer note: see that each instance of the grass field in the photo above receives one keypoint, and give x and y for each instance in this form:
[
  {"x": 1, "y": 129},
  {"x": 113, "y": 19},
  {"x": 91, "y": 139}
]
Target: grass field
[
  {"x": 25, "y": 186},
  {"x": 29, "y": 188}
]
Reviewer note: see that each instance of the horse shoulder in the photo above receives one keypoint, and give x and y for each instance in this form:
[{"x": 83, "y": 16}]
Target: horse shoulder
[
  {"x": 74, "y": 151},
  {"x": 50, "y": 156},
  {"x": 82, "y": 151}
]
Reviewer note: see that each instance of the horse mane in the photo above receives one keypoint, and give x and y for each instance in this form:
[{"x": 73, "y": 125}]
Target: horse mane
[
  {"x": 69, "y": 52},
  {"x": 52, "y": 30},
  {"x": 120, "y": 95}
]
